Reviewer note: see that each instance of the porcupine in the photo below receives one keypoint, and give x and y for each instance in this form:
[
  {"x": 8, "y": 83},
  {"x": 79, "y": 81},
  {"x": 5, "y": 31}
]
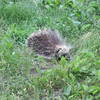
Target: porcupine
[{"x": 49, "y": 44}]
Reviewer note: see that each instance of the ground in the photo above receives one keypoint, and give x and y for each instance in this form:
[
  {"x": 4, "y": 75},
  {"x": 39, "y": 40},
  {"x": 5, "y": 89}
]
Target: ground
[{"x": 79, "y": 23}]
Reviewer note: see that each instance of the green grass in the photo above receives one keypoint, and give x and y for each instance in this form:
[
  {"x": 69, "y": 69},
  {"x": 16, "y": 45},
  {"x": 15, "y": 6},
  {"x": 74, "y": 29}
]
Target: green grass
[{"x": 78, "y": 21}]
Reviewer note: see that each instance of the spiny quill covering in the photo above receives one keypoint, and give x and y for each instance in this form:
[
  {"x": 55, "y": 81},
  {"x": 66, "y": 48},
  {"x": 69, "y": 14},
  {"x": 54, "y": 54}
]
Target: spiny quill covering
[{"x": 48, "y": 43}]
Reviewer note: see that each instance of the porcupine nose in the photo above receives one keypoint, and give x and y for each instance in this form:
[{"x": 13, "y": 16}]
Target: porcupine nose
[{"x": 67, "y": 56}]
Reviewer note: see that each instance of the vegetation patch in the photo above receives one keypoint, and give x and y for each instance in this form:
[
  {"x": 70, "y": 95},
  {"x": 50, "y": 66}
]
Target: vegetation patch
[{"x": 79, "y": 23}]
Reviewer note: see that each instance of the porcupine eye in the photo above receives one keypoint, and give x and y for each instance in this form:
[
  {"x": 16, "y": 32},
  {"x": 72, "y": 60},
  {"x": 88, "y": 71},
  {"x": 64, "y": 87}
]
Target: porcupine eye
[{"x": 57, "y": 54}]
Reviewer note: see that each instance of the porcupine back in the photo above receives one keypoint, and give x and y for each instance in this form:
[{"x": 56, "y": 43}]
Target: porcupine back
[{"x": 44, "y": 42}]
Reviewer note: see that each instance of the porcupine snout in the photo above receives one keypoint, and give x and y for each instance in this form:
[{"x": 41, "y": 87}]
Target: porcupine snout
[{"x": 63, "y": 51}]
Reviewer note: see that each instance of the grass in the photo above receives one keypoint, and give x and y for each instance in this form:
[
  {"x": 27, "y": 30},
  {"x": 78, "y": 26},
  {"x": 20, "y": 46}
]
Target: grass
[{"x": 75, "y": 80}]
